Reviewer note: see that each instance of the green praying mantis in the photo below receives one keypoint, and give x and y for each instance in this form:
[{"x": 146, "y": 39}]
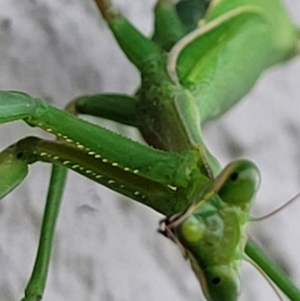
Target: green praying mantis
[{"x": 186, "y": 81}]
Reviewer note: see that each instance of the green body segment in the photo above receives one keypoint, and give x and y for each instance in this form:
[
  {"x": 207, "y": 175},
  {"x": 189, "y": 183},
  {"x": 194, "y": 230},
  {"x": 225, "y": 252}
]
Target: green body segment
[
  {"x": 171, "y": 120},
  {"x": 213, "y": 232}
]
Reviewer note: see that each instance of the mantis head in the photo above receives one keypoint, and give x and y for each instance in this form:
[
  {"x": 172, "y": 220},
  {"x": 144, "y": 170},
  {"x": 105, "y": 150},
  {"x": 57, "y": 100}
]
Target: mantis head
[{"x": 212, "y": 231}]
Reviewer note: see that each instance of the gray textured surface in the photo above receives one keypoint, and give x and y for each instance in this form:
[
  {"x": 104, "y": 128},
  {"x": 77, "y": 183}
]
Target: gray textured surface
[{"x": 106, "y": 247}]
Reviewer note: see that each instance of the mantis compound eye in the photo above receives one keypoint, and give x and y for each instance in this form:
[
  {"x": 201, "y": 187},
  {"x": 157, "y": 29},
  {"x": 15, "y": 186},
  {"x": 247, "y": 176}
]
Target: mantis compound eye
[
  {"x": 222, "y": 283},
  {"x": 240, "y": 181},
  {"x": 191, "y": 230}
]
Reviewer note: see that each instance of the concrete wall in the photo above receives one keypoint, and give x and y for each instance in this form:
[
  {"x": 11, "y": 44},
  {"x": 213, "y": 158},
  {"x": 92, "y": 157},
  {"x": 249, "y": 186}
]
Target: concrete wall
[{"x": 106, "y": 247}]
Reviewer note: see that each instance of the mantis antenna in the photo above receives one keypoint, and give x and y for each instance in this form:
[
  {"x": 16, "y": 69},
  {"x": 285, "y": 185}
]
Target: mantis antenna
[{"x": 272, "y": 213}]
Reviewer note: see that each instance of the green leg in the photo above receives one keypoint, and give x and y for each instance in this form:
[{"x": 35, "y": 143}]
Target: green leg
[
  {"x": 168, "y": 28},
  {"x": 138, "y": 48},
  {"x": 36, "y": 285},
  {"x": 158, "y": 196},
  {"x": 272, "y": 271},
  {"x": 115, "y": 107},
  {"x": 110, "y": 148}
]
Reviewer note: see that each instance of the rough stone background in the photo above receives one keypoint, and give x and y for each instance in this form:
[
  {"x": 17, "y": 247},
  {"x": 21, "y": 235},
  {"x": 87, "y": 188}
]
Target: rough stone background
[{"x": 106, "y": 247}]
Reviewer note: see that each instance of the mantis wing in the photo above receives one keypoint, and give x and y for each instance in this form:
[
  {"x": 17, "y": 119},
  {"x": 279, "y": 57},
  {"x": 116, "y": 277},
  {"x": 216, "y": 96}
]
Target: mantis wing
[{"x": 211, "y": 60}]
